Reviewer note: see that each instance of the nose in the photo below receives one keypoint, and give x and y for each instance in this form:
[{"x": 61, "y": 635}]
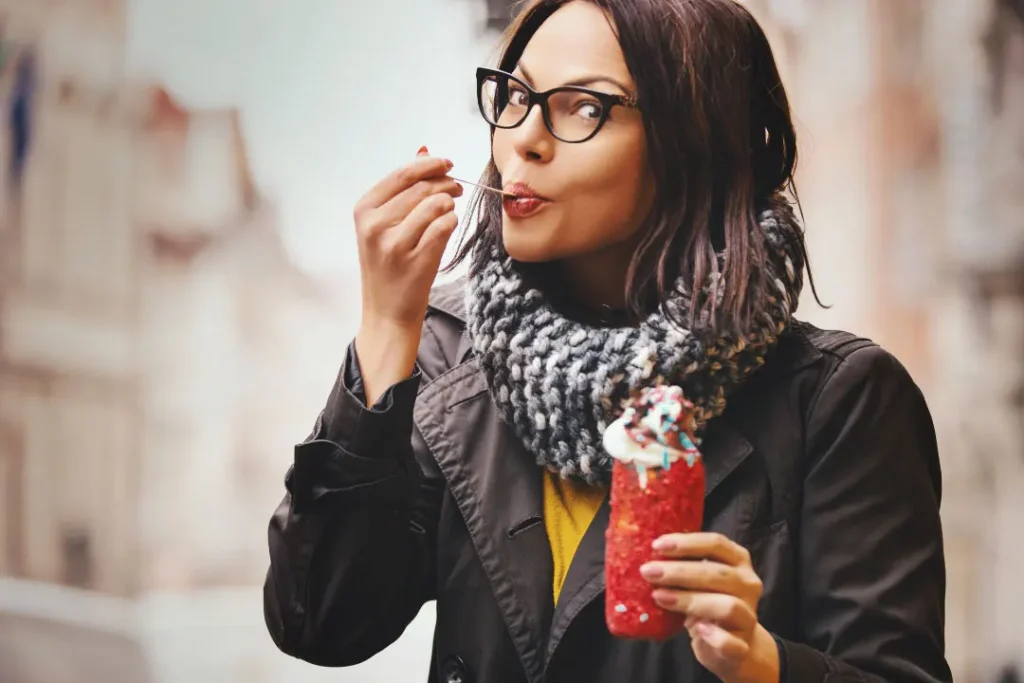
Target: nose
[{"x": 531, "y": 139}]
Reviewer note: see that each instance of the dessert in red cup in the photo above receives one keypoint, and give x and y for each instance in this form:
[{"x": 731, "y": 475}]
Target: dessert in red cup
[{"x": 657, "y": 489}]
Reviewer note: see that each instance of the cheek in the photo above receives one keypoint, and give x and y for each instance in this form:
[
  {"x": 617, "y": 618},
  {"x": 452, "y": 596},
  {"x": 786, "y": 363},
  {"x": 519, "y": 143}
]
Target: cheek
[
  {"x": 604, "y": 193},
  {"x": 501, "y": 148},
  {"x": 614, "y": 195}
]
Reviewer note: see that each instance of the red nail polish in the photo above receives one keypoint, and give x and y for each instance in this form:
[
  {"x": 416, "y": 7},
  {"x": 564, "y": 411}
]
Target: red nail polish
[{"x": 422, "y": 151}]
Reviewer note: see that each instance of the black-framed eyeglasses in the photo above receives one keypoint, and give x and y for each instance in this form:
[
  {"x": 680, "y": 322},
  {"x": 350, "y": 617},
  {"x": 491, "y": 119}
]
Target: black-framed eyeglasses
[{"x": 571, "y": 113}]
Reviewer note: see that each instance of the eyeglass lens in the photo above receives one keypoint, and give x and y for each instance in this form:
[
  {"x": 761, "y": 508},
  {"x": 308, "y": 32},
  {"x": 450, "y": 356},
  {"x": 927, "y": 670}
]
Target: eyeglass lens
[{"x": 572, "y": 115}]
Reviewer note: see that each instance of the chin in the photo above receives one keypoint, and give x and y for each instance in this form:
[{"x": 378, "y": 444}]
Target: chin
[{"x": 533, "y": 245}]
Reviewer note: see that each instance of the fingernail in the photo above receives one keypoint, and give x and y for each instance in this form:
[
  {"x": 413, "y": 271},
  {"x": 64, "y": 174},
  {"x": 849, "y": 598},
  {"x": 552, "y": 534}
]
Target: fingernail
[
  {"x": 663, "y": 598},
  {"x": 703, "y": 629},
  {"x": 651, "y": 571},
  {"x": 663, "y": 543},
  {"x": 423, "y": 151}
]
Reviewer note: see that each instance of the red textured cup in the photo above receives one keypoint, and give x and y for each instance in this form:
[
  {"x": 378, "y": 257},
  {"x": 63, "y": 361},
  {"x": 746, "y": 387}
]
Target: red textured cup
[{"x": 671, "y": 502}]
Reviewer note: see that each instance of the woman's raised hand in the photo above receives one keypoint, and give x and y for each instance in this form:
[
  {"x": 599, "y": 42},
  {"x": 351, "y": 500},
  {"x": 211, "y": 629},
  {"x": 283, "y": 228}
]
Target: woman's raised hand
[{"x": 402, "y": 227}]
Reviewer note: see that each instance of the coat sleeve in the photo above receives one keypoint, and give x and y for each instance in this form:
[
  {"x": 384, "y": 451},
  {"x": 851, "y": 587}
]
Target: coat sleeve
[
  {"x": 871, "y": 564},
  {"x": 352, "y": 544}
]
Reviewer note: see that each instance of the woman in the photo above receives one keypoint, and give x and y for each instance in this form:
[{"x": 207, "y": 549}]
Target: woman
[{"x": 646, "y": 146}]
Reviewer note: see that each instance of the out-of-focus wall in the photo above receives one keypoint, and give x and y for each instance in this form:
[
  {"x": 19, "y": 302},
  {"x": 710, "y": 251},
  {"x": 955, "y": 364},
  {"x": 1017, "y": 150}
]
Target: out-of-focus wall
[
  {"x": 146, "y": 285},
  {"x": 68, "y": 389}
]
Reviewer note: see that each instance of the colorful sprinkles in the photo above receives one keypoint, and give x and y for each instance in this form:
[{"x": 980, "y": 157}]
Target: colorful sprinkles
[{"x": 674, "y": 423}]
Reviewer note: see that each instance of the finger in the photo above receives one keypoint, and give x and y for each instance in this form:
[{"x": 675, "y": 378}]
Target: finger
[
  {"x": 423, "y": 168},
  {"x": 714, "y": 645},
  {"x": 711, "y": 577},
  {"x": 702, "y": 545},
  {"x": 409, "y": 232},
  {"x": 435, "y": 237},
  {"x": 402, "y": 204},
  {"x": 727, "y": 611}
]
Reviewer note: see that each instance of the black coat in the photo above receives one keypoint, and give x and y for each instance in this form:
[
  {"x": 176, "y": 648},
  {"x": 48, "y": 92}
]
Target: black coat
[{"x": 824, "y": 467}]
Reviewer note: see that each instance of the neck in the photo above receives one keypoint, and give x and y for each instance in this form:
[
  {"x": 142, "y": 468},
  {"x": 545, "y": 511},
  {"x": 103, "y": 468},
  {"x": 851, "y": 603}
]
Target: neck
[{"x": 598, "y": 280}]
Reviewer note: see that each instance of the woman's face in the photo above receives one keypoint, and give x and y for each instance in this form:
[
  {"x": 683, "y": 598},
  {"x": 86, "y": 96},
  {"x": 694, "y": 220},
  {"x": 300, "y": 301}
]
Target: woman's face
[{"x": 599, "y": 191}]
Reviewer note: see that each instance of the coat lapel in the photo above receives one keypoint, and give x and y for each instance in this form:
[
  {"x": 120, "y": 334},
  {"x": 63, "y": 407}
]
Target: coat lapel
[
  {"x": 583, "y": 582},
  {"x": 498, "y": 489},
  {"x": 724, "y": 448}
]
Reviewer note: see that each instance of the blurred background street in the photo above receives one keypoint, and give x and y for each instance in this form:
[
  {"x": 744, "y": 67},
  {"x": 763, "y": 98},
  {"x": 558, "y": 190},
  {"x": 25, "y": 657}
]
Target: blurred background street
[{"x": 178, "y": 282}]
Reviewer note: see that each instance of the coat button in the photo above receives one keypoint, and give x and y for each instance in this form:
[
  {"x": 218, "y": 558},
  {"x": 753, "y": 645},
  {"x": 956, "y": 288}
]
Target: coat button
[{"x": 453, "y": 670}]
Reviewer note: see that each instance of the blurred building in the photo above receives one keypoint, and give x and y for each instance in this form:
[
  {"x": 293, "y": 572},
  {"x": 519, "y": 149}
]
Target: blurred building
[
  {"x": 158, "y": 350},
  {"x": 68, "y": 385},
  {"x": 143, "y": 280},
  {"x": 237, "y": 348}
]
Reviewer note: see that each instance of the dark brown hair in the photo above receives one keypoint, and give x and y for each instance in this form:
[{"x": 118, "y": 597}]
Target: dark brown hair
[{"x": 720, "y": 141}]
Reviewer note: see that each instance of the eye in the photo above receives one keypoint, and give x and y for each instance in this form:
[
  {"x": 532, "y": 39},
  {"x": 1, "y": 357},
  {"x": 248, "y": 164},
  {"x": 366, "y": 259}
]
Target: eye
[
  {"x": 590, "y": 110},
  {"x": 517, "y": 96}
]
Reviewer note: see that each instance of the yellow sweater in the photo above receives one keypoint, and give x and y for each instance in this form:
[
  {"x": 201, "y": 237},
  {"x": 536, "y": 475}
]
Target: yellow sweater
[{"x": 569, "y": 508}]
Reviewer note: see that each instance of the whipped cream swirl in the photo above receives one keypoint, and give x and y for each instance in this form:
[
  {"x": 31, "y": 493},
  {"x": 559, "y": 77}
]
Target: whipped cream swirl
[{"x": 655, "y": 431}]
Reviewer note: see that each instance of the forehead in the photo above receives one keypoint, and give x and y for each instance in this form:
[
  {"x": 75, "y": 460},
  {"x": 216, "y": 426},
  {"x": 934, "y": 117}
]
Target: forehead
[{"x": 577, "y": 40}]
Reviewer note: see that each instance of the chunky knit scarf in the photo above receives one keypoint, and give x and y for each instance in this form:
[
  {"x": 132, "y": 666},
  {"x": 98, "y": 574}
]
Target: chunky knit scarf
[{"x": 558, "y": 382}]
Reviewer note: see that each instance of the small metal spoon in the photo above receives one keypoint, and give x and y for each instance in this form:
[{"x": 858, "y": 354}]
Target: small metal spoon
[{"x": 483, "y": 187}]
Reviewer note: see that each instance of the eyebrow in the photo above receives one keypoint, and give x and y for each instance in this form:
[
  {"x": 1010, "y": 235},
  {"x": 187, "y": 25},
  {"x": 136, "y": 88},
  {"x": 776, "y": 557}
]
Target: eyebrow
[{"x": 582, "y": 82}]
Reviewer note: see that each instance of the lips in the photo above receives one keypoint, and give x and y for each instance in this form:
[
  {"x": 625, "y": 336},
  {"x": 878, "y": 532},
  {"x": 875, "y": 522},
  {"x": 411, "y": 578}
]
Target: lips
[{"x": 525, "y": 203}]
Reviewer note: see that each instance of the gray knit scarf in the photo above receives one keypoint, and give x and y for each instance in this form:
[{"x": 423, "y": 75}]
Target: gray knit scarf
[{"x": 558, "y": 382}]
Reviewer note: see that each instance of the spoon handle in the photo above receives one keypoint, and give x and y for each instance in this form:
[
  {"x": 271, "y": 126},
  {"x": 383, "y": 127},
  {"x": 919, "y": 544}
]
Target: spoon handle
[{"x": 483, "y": 187}]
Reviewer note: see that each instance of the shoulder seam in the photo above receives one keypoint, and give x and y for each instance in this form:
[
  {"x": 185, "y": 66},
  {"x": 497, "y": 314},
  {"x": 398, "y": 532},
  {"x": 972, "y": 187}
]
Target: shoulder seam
[
  {"x": 861, "y": 344},
  {"x": 843, "y": 347}
]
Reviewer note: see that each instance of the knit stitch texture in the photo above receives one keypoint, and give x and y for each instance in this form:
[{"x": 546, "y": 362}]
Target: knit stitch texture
[{"x": 558, "y": 382}]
